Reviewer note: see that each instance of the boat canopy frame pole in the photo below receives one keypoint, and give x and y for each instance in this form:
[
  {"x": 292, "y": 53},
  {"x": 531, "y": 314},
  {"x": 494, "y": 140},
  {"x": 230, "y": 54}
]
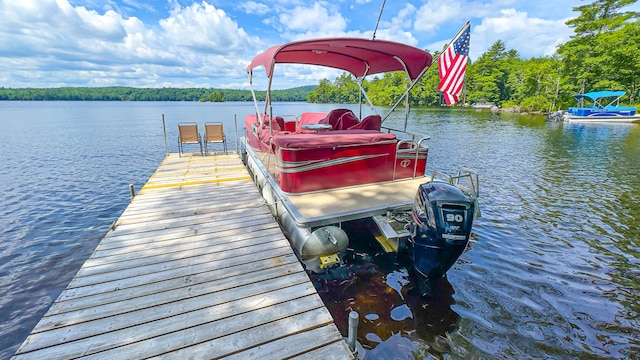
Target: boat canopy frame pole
[
  {"x": 255, "y": 100},
  {"x": 359, "y": 81},
  {"x": 268, "y": 107},
  {"x": 412, "y": 84},
  {"x": 405, "y": 95},
  {"x": 616, "y": 101},
  {"x": 363, "y": 92},
  {"x": 407, "y": 108},
  {"x": 359, "y": 103}
]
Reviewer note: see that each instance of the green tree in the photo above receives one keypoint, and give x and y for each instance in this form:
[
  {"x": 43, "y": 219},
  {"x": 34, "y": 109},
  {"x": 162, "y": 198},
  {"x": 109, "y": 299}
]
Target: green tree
[
  {"x": 426, "y": 91},
  {"x": 323, "y": 93},
  {"x": 535, "y": 83},
  {"x": 489, "y": 75},
  {"x": 601, "y": 53}
]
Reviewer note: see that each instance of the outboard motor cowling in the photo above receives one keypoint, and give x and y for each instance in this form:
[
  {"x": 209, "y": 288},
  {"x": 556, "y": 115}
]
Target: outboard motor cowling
[{"x": 442, "y": 219}]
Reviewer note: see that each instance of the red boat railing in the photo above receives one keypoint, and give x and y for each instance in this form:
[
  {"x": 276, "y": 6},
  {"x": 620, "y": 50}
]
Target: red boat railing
[{"x": 416, "y": 150}]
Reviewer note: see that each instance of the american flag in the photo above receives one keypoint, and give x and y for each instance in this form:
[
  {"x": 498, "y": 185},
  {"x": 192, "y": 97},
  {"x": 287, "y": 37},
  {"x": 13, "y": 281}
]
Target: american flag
[{"x": 452, "y": 64}]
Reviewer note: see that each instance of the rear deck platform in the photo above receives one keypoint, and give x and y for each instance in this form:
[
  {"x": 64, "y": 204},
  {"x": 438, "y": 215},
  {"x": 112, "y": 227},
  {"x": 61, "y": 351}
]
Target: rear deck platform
[
  {"x": 196, "y": 267},
  {"x": 324, "y": 207}
]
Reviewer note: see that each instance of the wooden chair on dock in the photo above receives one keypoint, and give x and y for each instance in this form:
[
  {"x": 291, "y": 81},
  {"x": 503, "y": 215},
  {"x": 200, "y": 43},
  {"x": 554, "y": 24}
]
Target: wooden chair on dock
[
  {"x": 214, "y": 133},
  {"x": 188, "y": 134}
]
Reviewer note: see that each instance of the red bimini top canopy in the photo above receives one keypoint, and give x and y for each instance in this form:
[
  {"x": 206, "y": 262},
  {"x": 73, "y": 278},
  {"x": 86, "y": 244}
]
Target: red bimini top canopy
[{"x": 360, "y": 57}]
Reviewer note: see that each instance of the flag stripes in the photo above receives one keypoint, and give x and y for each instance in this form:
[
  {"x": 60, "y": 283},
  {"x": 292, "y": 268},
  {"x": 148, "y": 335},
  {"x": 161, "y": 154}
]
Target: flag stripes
[{"x": 452, "y": 65}]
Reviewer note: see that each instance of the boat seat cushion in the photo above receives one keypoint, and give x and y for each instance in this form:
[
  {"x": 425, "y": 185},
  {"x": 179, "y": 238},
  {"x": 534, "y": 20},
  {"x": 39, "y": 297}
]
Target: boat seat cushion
[
  {"x": 278, "y": 125},
  {"x": 371, "y": 122},
  {"x": 333, "y": 118},
  {"x": 326, "y": 139},
  {"x": 346, "y": 121},
  {"x": 309, "y": 117}
]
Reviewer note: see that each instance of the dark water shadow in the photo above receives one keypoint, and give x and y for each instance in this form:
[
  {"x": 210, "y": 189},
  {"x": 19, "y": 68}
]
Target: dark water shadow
[{"x": 395, "y": 319}]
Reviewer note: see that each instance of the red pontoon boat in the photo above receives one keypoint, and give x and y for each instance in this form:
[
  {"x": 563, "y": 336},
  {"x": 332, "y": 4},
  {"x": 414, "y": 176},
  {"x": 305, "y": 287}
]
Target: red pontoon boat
[{"x": 319, "y": 171}]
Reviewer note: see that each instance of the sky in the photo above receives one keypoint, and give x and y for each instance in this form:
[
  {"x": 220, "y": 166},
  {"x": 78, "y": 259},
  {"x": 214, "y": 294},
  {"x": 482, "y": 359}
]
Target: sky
[{"x": 208, "y": 43}]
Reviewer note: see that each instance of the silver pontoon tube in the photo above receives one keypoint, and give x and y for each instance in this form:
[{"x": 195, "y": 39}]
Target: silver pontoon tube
[{"x": 309, "y": 245}]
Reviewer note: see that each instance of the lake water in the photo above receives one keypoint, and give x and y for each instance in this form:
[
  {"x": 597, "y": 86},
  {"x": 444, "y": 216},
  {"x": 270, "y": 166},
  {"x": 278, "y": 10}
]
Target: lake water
[{"x": 553, "y": 270}]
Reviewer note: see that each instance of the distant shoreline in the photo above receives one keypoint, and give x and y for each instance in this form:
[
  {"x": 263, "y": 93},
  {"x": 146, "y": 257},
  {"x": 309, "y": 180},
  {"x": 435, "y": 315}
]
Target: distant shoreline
[{"x": 118, "y": 93}]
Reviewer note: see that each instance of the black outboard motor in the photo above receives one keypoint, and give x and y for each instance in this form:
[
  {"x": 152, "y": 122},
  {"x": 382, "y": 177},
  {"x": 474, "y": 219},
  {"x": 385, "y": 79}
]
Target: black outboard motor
[{"x": 442, "y": 219}]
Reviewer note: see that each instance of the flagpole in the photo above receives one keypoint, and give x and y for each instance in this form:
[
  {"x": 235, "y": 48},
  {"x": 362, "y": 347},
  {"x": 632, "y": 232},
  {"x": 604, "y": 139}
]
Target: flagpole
[{"x": 457, "y": 34}]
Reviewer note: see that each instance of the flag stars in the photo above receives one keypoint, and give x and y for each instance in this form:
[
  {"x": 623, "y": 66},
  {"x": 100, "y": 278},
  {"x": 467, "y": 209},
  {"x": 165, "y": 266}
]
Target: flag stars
[{"x": 461, "y": 45}]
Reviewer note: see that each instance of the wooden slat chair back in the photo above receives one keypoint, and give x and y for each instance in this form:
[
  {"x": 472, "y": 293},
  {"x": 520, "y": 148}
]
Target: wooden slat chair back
[
  {"x": 188, "y": 134},
  {"x": 214, "y": 133}
]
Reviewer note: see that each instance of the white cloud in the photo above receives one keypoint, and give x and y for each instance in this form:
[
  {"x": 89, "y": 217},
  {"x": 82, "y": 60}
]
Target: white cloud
[
  {"x": 42, "y": 40},
  {"x": 435, "y": 13},
  {"x": 529, "y": 36},
  {"x": 404, "y": 17},
  {"x": 252, "y": 7},
  {"x": 55, "y": 33},
  {"x": 394, "y": 30},
  {"x": 149, "y": 43},
  {"x": 321, "y": 17},
  {"x": 139, "y": 5},
  {"x": 205, "y": 28}
]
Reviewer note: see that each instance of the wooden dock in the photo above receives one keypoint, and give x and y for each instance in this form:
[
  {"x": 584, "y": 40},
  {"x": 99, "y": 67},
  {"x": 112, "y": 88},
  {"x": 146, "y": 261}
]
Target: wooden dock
[{"x": 196, "y": 267}]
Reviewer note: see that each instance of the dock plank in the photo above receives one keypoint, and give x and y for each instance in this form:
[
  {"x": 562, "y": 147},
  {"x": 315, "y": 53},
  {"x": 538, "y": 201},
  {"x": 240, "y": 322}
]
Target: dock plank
[
  {"x": 195, "y": 267},
  {"x": 125, "y": 312},
  {"x": 85, "y": 297},
  {"x": 295, "y": 345},
  {"x": 215, "y": 230},
  {"x": 211, "y": 253},
  {"x": 173, "y": 245},
  {"x": 267, "y": 325},
  {"x": 142, "y": 340},
  {"x": 176, "y": 265}
]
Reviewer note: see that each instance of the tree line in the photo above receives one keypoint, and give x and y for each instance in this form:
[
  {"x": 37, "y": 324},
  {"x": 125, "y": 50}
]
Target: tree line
[
  {"x": 603, "y": 54},
  {"x": 119, "y": 93}
]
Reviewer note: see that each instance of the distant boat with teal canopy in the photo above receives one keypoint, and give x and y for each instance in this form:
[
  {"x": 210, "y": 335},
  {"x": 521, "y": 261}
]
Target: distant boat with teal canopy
[{"x": 605, "y": 107}]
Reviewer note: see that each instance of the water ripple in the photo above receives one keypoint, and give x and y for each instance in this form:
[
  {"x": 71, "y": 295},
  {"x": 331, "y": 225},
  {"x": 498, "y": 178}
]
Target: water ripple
[{"x": 553, "y": 271}]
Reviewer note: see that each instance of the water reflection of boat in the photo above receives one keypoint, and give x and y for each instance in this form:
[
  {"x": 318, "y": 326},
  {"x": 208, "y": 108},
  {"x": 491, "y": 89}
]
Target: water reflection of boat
[
  {"x": 605, "y": 107},
  {"x": 395, "y": 317},
  {"x": 319, "y": 171}
]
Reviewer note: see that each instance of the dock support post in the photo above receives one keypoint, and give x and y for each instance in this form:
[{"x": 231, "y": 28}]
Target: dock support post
[
  {"x": 132, "y": 191},
  {"x": 353, "y": 330},
  {"x": 235, "y": 124},
  {"x": 166, "y": 144}
]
